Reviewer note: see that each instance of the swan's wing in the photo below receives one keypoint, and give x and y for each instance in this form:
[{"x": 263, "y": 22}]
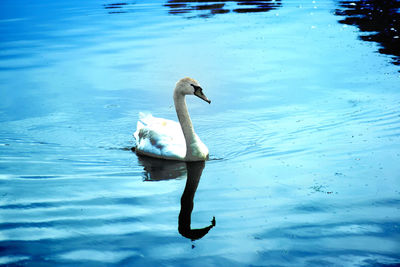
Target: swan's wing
[
  {"x": 159, "y": 137},
  {"x": 144, "y": 119}
]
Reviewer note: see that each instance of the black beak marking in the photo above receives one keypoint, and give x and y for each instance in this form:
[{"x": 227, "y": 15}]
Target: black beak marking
[{"x": 196, "y": 88}]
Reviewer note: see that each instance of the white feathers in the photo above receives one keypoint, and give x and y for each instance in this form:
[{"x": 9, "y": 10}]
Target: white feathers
[{"x": 159, "y": 138}]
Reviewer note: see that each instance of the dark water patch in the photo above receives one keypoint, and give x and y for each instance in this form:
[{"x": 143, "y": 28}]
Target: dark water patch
[
  {"x": 257, "y": 6},
  {"x": 208, "y": 8},
  {"x": 378, "y": 21},
  {"x": 39, "y": 177},
  {"x": 176, "y": 5},
  {"x": 115, "y": 5},
  {"x": 119, "y": 8},
  {"x": 127, "y": 148},
  {"x": 117, "y": 12},
  {"x": 308, "y": 208}
]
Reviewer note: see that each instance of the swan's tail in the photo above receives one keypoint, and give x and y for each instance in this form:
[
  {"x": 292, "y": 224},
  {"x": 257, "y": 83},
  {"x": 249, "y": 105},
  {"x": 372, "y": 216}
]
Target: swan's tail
[{"x": 143, "y": 117}]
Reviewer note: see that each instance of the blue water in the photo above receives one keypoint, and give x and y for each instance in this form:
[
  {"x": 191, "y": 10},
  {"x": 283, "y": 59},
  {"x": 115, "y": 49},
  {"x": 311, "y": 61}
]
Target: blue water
[{"x": 303, "y": 132}]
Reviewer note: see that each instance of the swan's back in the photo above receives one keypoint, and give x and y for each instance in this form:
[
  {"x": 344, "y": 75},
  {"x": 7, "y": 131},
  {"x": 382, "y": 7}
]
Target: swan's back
[{"x": 158, "y": 137}]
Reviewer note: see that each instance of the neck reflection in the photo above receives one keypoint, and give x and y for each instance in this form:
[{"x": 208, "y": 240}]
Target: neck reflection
[
  {"x": 194, "y": 171},
  {"x": 158, "y": 170}
]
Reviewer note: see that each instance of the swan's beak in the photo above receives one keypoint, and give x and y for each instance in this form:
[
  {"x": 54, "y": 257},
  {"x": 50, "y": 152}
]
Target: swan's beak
[{"x": 199, "y": 93}]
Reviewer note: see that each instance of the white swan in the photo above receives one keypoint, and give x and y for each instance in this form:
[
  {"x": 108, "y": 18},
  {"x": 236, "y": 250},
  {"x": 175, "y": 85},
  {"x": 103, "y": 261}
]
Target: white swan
[{"x": 166, "y": 139}]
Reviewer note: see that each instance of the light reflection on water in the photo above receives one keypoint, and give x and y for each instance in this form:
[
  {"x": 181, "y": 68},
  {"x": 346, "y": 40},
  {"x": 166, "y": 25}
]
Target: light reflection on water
[{"x": 303, "y": 133}]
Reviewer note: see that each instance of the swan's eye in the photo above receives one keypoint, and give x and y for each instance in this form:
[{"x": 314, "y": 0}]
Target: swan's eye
[{"x": 196, "y": 88}]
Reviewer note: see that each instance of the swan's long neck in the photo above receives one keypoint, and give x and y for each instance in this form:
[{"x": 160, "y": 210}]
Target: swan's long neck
[{"x": 185, "y": 121}]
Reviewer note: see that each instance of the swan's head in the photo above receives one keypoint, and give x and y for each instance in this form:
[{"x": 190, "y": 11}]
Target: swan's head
[{"x": 189, "y": 86}]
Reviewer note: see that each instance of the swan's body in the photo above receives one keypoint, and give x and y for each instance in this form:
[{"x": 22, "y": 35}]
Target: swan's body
[{"x": 166, "y": 139}]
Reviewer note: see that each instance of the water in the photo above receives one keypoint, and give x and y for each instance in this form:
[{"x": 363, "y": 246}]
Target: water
[{"x": 303, "y": 133}]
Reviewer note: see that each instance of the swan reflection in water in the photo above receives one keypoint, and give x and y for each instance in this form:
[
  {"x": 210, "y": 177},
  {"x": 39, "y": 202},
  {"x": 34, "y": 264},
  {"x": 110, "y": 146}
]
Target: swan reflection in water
[
  {"x": 156, "y": 170},
  {"x": 202, "y": 8},
  {"x": 208, "y": 8}
]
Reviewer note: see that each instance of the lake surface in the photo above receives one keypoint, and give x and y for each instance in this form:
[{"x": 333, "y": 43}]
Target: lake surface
[{"x": 303, "y": 132}]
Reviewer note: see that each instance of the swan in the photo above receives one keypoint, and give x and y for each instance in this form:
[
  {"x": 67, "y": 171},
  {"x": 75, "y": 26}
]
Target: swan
[{"x": 167, "y": 139}]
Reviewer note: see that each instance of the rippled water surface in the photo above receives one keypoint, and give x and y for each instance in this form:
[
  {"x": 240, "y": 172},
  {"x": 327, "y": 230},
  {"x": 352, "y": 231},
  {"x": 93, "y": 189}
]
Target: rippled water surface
[{"x": 303, "y": 132}]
